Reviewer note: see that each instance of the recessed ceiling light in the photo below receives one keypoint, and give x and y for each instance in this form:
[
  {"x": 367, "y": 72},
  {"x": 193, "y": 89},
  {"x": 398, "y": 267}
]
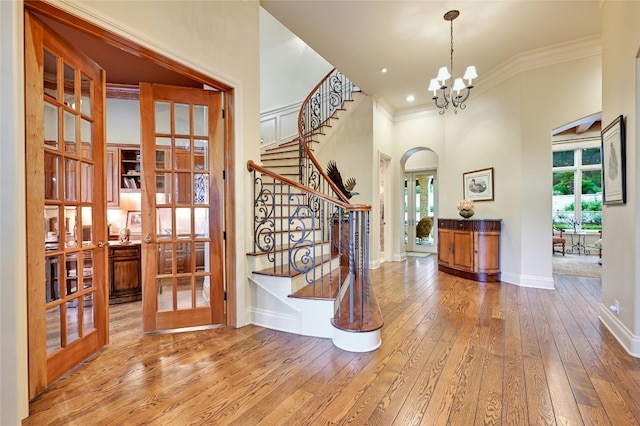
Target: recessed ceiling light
[
  {"x": 383, "y": 70},
  {"x": 411, "y": 98}
]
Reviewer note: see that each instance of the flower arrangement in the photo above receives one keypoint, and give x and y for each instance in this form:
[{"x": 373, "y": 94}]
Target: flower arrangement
[{"x": 465, "y": 205}]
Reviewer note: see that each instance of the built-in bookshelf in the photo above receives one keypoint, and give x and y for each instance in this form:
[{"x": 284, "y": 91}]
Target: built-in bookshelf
[{"x": 130, "y": 168}]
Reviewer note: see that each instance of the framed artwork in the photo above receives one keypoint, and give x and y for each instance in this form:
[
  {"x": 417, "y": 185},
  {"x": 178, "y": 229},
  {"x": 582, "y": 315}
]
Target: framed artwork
[
  {"x": 134, "y": 222},
  {"x": 478, "y": 185},
  {"x": 614, "y": 163}
]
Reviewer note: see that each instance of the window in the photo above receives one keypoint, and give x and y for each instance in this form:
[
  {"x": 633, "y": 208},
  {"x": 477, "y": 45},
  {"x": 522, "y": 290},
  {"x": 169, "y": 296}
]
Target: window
[{"x": 577, "y": 186}]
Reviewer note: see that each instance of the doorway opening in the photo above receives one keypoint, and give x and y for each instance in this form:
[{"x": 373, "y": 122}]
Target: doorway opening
[
  {"x": 577, "y": 196},
  {"x": 126, "y": 64},
  {"x": 420, "y": 201},
  {"x": 419, "y": 211}
]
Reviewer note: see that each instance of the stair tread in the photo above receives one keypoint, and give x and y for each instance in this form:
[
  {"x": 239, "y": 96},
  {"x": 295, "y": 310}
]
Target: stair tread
[
  {"x": 375, "y": 320},
  {"x": 325, "y": 288},
  {"x": 286, "y": 271}
]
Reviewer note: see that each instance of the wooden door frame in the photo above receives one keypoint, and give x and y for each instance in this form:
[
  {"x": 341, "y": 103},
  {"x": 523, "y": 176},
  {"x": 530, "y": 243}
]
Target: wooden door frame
[{"x": 50, "y": 11}]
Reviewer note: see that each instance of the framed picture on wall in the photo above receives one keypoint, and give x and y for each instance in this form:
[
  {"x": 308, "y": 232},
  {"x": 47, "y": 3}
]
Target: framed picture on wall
[
  {"x": 478, "y": 185},
  {"x": 614, "y": 163},
  {"x": 134, "y": 222}
]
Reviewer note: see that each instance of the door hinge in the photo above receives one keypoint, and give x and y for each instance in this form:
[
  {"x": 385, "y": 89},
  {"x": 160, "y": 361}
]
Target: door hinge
[
  {"x": 224, "y": 174},
  {"x": 222, "y": 113},
  {"x": 225, "y": 296},
  {"x": 224, "y": 235}
]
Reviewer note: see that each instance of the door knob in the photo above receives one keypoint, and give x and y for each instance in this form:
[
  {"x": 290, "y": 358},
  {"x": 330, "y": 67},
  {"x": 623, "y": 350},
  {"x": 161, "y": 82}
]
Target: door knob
[
  {"x": 101, "y": 244},
  {"x": 148, "y": 239}
]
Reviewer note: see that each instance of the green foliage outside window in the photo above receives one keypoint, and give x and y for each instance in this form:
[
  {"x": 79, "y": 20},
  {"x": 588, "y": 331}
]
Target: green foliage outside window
[{"x": 563, "y": 158}]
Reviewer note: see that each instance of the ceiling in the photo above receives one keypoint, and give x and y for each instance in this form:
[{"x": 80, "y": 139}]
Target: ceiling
[{"x": 412, "y": 39}]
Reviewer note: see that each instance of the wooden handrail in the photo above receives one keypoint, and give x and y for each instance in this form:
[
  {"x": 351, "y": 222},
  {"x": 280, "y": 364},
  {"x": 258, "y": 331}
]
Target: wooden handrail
[
  {"x": 303, "y": 141},
  {"x": 252, "y": 166}
]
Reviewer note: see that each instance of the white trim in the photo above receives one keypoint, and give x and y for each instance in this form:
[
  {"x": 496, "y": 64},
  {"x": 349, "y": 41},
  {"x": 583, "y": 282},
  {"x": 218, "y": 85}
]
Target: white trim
[
  {"x": 533, "y": 59},
  {"x": 629, "y": 341},
  {"x": 531, "y": 281}
]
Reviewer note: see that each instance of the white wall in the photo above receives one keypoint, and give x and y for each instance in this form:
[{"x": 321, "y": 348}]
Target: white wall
[
  {"x": 412, "y": 131},
  {"x": 621, "y": 239},
  {"x": 422, "y": 160},
  {"x": 13, "y": 308},
  {"x": 289, "y": 69},
  {"x": 576, "y": 88},
  {"x": 382, "y": 148},
  {"x": 123, "y": 121},
  {"x": 219, "y": 39},
  {"x": 508, "y": 127},
  {"x": 351, "y": 147}
]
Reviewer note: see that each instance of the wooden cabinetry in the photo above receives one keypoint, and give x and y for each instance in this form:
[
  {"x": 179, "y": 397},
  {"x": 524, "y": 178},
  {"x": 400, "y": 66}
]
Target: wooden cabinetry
[
  {"x": 124, "y": 171},
  {"x": 130, "y": 168},
  {"x": 125, "y": 281},
  {"x": 113, "y": 180},
  {"x": 470, "y": 248}
]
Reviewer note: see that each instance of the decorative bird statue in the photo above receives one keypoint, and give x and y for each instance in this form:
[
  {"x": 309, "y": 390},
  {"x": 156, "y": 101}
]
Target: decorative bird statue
[{"x": 334, "y": 175}]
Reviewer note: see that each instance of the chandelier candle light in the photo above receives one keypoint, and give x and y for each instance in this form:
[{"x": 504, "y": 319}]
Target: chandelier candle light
[{"x": 461, "y": 90}]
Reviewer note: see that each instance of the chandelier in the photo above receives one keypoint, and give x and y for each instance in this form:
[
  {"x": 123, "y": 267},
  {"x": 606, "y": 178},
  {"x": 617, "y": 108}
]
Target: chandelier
[{"x": 460, "y": 92}]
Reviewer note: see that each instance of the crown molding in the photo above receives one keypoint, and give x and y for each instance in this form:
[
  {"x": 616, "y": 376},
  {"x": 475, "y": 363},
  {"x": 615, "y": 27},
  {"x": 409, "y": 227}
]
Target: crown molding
[{"x": 533, "y": 59}]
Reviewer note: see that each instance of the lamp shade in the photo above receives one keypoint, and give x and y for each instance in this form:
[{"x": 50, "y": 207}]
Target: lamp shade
[
  {"x": 434, "y": 86},
  {"x": 470, "y": 74},
  {"x": 458, "y": 85},
  {"x": 443, "y": 75}
]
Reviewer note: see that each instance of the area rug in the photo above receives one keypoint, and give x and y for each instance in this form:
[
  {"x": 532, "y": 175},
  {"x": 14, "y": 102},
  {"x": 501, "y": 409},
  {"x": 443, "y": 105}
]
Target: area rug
[
  {"x": 572, "y": 264},
  {"x": 416, "y": 254}
]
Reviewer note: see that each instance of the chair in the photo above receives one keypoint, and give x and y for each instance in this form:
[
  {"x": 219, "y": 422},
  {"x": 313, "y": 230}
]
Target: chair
[
  {"x": 424, "y": 227},
  {"x": 558, "y": 240}
]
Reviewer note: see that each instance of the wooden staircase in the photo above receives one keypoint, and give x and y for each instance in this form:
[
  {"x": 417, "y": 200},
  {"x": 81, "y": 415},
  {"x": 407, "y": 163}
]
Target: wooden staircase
[{"x": 309, "y": 274}]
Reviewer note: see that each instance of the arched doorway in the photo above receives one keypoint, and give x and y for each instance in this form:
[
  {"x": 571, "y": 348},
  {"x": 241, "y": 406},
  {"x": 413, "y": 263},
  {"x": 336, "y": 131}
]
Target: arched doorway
[{"x": 419, "y": 166}]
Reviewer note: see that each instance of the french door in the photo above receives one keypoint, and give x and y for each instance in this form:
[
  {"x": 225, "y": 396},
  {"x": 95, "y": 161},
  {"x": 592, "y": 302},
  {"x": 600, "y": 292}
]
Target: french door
[
  {"x": 66, "y": 205},
  {"x": 182, "y": 207},
  {"x": 419, "y": 203}
]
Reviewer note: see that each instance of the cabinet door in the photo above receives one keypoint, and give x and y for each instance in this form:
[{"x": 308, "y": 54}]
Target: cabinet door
[
  {"x": 113, "y": 186},
  {"x": 487, "y": 248},
  {"x": 445, "y": 246},
  {"x": 125, "y": 282},
  {"x": 463, "y": 250}
]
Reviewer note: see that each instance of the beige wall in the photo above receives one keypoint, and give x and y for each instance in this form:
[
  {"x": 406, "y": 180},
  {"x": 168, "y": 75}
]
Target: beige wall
[
  {"x": 508, "y": 127},
  {"x": 13, "y": 266},
  {"x": 219, "y": 39},
  {"x": 620, "y": 258}
]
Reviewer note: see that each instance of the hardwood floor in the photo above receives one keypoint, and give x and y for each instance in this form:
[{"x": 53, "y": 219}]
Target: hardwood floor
[{"x": 453, "y": 352}]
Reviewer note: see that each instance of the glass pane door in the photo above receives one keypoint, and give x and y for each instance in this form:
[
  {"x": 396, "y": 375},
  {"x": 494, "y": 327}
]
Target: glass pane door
[
  {"x": 182, "y": 217},
  {"x": 420, "y": 229},
  {"x": 67, "y": 276}
]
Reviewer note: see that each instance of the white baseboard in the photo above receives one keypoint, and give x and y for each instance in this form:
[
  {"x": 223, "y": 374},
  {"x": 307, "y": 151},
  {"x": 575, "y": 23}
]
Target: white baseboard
[
  {"x": 629, "y": 341},
  {"x": 532, "y": 281}
]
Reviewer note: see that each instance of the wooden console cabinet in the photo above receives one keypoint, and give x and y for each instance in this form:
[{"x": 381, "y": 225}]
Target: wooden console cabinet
[
  {"x": 125, "y": 281},
  {"x": 470, "y": 248}
]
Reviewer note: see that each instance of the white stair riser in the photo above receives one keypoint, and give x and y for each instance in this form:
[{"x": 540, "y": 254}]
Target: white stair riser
[
  {"x": 277, "y": 162},
  {"x": 300, "y": 316}
]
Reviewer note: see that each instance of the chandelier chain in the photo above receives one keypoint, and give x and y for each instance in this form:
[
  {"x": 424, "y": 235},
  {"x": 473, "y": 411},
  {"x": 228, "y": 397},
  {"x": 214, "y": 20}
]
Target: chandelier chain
[
  {"x": 457, "y": 92},
  {"x": 452, "y": 47}
]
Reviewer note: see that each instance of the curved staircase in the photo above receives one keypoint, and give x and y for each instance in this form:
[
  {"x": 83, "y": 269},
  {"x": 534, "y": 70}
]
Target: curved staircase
[{"x": 310, "y": 253}]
